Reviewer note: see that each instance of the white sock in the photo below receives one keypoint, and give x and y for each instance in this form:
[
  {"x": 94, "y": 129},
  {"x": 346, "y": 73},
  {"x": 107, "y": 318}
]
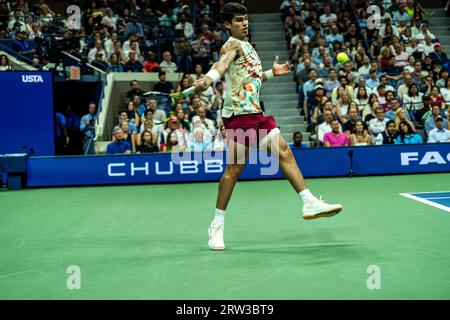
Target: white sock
[
  {"x": 219, "y": 217},
  {"x": 307, "y": 196}
]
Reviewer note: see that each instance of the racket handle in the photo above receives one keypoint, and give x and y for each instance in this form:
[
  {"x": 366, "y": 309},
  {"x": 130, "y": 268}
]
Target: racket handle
[{"x": 188, "y": 92}]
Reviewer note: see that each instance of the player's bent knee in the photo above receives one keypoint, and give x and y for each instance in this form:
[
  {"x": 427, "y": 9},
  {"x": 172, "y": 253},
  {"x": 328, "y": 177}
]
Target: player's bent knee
[{"x": 284, "y": 151}]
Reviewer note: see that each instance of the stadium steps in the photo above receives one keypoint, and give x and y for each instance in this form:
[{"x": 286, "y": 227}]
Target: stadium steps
[
  {"x": 278, "y": 95},
  {"x": 440, "y": 27}
]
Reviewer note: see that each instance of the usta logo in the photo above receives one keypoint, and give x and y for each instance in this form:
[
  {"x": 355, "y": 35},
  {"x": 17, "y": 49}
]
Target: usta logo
[{"x": 32, "y": 79}]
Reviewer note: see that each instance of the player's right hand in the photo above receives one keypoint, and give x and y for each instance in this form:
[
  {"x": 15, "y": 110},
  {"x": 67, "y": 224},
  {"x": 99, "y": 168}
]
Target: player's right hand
[{"x": 201, "y": 84}]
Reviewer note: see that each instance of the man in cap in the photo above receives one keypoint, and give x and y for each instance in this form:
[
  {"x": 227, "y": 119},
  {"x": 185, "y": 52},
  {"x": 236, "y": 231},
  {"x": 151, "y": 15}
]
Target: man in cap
[
  {"x": 439, "y": 133},
  {"x": 430, "y": 123},
  {"x": 99, "y": 61},
  {"x": 22, "y": 47},
  {"x": 438, "y": 56},
  {"x": 316, "y": 99}
]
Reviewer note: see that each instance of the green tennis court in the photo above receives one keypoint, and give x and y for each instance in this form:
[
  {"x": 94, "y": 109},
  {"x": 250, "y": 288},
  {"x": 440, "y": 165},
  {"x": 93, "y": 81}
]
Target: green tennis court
[{"x": 150, "y": 242}]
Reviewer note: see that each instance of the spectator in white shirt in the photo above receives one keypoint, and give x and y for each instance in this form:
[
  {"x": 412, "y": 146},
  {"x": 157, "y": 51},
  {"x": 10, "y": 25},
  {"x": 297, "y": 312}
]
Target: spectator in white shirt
[
  {"x": 134, "y": 46},
  {"x": 445, "y": 91},
  {"x": 159, "y": 115},
  {"x": 208, "y": 124},
  {"x": 428, "y": 47},
  {"x": 327, "y": 16},
  {"x": 325, "y": 127},
  {"x": 365, "y": 68},
  {"x": 109, "y": 44},
  {"x": 97, "y": 49},
  {"x": 404, "y": 87},
  {"x": 384, "y": 16},
  {"x": 439, "y": 134},
  {"x": 378, "y": 124},
  {"x": 127, "y": 44},
  {"x": 149, "y": 124},
  {"x": 167, "y": 65},
  {"x": 424, "y": 32},
  {"x": 415, "y": 30},
  {"x": 410, "y": 66},
  {"x": 413, "y": 101},
  {"x": 186, "y": 26},
  {"x": 401, "y": 57},
  {"x": 18, "y": 17},
  {"x": 109, "y": 19}
]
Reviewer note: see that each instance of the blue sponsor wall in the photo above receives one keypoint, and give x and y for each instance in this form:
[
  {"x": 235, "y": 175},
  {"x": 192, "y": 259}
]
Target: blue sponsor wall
[
  {"x": 26, "y": 112},
  {"x": 195, "y": 167}
]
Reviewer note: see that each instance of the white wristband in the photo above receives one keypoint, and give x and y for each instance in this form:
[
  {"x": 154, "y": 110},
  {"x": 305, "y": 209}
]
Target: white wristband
[
  {"x": 269, "y": 74},
  {"x": 214, "y": 75}
]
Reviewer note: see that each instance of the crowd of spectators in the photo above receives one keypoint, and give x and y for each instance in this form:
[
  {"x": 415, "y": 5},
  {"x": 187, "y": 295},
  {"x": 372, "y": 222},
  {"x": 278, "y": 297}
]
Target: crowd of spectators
[
  {"x": 161, "y": 37},
  {"x": 117, "y": 35},
  {"x": 151, "y": 123},
  {"x": 395, "y": 87}
]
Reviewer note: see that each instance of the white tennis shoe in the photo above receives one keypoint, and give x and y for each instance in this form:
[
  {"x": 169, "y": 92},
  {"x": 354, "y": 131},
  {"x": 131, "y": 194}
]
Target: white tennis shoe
[
  {"x": 215, "y": 233},
  {"x": 320, "y": 209}
]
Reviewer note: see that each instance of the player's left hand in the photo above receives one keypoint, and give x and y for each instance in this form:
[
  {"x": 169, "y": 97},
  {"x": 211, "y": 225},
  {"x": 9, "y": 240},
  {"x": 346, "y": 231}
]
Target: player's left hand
[{"x": 281, "y": 69}]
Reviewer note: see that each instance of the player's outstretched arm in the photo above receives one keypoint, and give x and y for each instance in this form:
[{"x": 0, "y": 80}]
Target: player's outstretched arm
[
  {"x": 218, "y": 70},
  {"x": 277, "y": 70}
]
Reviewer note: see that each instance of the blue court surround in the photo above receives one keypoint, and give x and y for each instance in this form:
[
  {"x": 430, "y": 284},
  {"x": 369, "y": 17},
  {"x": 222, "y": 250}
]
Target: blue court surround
[
  {"x": 439, "y": 200},
  {"x": 195, "y": 167}
]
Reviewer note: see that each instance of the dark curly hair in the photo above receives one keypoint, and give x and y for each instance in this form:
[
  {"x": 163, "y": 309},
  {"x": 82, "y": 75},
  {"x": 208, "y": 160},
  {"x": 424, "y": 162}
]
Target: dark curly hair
[{"x": 231, "y": 9}]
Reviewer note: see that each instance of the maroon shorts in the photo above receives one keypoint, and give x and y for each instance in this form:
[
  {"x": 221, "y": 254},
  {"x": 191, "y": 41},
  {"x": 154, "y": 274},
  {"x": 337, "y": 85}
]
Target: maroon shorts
[{"x": 249, "y": 129}]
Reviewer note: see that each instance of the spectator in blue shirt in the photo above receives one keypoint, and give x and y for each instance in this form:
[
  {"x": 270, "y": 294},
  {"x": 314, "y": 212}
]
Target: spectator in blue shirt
[
  {"x": 134, "y": 27},
  {"x": 393, "y": 72},
  {"x": 123, "y": 116},
  {"x": 309, "y": 85},
  {"x": 286, "y": 4},
  {"x": 334, "y": 35},
  {"x": 430, "y": 123},
  {"x": 298, "y": 139},
  {"x": 13, "y": 33},
  {"x": 87, "y": 128},
  {"x": 114, "y": 64},
  {"x": 73, "y": 131},
  {"x": 407, "y": 134},
  {"x": 119, "y": 145},
  {"x": 61, "y": 139},
  {"x": 22, "y": 47},
  {"x": 372, "y": 82}
]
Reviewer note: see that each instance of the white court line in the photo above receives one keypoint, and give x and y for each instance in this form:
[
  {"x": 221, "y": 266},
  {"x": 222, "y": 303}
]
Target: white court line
[
  {"x": 437, "y": 198},
  {"x": 430, "y": 192},
  {"x": 430, "y": 203}
]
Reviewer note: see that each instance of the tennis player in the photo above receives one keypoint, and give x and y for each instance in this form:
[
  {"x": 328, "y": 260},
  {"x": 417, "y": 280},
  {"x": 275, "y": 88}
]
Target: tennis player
[{"x": 245, "y": 122}]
